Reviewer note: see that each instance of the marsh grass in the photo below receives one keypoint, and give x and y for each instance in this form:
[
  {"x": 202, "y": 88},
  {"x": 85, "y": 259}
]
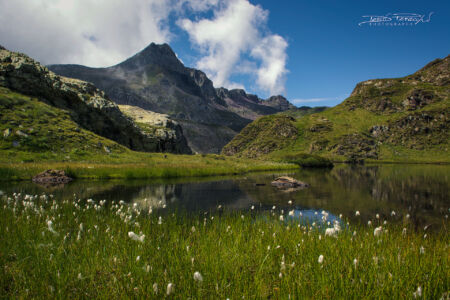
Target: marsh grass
[
  {"x": 250, "y": 255},
  {"x": 144, "y": 165}
]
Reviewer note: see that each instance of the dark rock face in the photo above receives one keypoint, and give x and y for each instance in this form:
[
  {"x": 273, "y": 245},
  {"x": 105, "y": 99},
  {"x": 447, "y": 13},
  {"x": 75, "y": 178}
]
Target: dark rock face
[
  {"x": 155, "y": 79},
  {"x": 88, "y": 106},
  {"x": 279, "y": 102},
  {"x": 52, "y": 177},
  {"x": 418, "y": 99}
]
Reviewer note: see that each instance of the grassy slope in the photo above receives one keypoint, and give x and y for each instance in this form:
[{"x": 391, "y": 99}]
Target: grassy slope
[
  {"x": 249, "y": 257},
  {"x": 54, "y": 141},
  {"x": 320, "y": 133}
]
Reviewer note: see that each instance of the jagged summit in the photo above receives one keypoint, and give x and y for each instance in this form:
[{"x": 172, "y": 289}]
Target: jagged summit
[
  {"x": 87, "y": 106},
  {"x": 155, "y": 79},
  {"x": 154, "y": 54}
]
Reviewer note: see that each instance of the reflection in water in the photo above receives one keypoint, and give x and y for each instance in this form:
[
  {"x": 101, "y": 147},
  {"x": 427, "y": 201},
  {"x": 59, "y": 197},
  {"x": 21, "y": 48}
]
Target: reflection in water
[
  {"x": 415, "y": 190},
  {"x": 310, "y": 216}
]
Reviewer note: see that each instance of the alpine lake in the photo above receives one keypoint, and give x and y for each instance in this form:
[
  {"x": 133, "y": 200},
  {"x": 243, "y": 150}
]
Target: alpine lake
[{"x": 391, "y": 191}]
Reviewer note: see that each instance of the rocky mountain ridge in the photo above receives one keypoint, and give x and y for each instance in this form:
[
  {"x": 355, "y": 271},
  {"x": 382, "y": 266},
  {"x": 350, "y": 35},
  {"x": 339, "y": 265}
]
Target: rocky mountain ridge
[
  {"x": 88, "y": 106},
  {"x": 156, "y": 80},
  {"x": 396, "y": 119}
]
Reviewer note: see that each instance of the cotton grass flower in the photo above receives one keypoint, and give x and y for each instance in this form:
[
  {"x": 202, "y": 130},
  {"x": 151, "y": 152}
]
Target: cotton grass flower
[
  {"x": 355, "y": 262},
  {"x": 357, "y": 213},
  {"x": 320, "y": 259},
  {"x": 418, "y": 292},
  {"x": 50, "y": 227},
  {"x": 331, "y": 232},
  {"x": 377, "y": 231},
  {"x": 170, "y": 289},
  {"x": 198, "y": 277},
  {"x": 135, "y": 237}
]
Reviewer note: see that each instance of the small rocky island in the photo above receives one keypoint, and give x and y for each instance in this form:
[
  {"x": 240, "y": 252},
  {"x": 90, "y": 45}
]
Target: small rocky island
[{"x": 288, "y": 182}]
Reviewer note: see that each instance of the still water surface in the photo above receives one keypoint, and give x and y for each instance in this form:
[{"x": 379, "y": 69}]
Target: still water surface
[{"x": 420, "y": 191}]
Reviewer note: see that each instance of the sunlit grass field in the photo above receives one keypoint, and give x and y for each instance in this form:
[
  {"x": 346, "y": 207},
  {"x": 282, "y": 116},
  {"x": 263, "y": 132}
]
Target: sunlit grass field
[
  {"x": 145, "y": 165},
  {"x": 72, "y": 248}
]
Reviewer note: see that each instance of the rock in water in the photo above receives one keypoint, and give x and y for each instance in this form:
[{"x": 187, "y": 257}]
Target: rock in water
[
  {"x": 289, "y": 182},
  {"x": 52, "y": 177}
]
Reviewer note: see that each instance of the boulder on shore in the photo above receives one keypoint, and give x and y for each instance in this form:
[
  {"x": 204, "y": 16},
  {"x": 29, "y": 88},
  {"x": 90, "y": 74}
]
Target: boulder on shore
[
  {"x": 52, "y": 177},
  {"x": 289, "y": 182}
]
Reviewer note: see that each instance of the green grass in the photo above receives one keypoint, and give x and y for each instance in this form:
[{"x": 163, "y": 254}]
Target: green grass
[
  {"x": 323, "y": 133},
  {"x": 307, "y": 160},
  {"x": 144, "y": 165},
  {"x": 40, "y": 132},
  {"x": 44, "y": 137},
  {"x": 252, "y": 256}
]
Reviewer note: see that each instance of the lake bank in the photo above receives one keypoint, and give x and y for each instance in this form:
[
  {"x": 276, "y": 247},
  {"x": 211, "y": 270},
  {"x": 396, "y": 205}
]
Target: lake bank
[{"x": 154, "y": 165}]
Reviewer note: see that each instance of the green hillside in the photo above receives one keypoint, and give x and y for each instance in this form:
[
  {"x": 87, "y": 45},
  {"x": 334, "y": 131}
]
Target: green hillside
[
  {"x": 390, "y": 120},
  {"x": 34, "y": 130}
]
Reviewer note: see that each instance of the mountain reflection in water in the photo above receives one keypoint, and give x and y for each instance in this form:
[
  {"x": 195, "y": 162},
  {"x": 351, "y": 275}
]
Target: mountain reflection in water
[{"x": 420, "y": 191}]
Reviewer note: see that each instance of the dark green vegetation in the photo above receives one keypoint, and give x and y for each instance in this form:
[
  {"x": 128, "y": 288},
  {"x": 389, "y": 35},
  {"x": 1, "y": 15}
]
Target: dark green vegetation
[
  {"x": 390, "y": 120},
  {"x": 308, "y": 160},
  {"x": 156, "y": 80},
  {"x": 70, "y": 248}
]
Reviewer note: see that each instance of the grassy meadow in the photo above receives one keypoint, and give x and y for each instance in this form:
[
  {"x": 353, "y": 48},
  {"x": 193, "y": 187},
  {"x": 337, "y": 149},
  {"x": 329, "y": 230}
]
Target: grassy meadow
[
  {"x": 79, "y": 248},
  {"x": 144, "y": 165},
  {"x": 37, "y": 136}
]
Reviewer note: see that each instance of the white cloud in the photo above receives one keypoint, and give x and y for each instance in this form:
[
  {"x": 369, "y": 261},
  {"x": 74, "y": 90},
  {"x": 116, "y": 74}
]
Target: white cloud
[
  {"x": 94, "y": 33},
  {"x": 196, "y": 5},
  {"x": 235, "y": 40},
  {"x": 236, "y": 29},
  {"x": 272, "y": 52}
]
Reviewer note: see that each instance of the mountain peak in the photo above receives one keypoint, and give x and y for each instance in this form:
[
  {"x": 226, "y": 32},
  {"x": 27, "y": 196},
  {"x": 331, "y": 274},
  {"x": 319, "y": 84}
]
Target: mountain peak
[
  {"x": 154, "y": 54},
  {"x": 279, "y": 102}
]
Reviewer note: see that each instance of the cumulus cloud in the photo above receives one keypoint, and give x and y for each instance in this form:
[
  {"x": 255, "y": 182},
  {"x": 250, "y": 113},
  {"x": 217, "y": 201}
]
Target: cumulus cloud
[
  {"x": 196, "y": 5},
  {"x": 236, "y": 29},
  {"x": 234, "y": 39},
  {"x": 272, "y": 52},
  {"x": 94, "y": 33}
]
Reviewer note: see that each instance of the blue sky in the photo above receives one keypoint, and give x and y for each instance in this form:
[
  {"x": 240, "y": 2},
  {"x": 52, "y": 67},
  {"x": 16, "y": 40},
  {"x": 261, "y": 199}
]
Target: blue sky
[
  {"x": 313, "y": 52},
  {"x": 328, "y": 53}
]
